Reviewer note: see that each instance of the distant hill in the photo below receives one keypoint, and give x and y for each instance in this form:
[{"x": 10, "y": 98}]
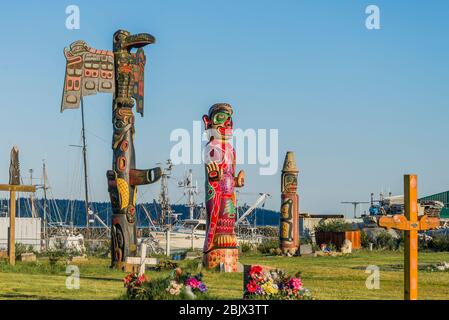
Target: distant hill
[{"x": 62, "y": 209}]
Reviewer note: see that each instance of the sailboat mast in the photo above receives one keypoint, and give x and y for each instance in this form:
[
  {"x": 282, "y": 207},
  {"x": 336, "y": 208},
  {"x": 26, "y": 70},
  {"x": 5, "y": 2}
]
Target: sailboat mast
[
  {"x": 86, "y": 190},
  {"x": 44, "y": 174},
  {"x": 33, "y": 209}
]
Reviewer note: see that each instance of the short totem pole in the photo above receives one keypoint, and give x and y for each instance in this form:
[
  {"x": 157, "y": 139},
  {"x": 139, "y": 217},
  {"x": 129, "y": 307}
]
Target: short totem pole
[
  {"x": 120, "y": 72},
  {"x": 411, "y": 224},
  {"x": 289, "y": 218},
  {"x": 13, "y": 187},
  {"x": 220, "y": 245}
]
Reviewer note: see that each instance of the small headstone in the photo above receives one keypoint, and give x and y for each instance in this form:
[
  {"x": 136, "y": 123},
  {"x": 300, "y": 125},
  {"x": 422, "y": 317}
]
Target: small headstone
[
  {"x": 28, "y": 257},
  {"x": 346, "y": 247},
  {"x": 305, "y": 249},
  {"x": 78, "y": 259},
  {"x": 240, "y": 267},
  {"x": 192, "y": 255}
]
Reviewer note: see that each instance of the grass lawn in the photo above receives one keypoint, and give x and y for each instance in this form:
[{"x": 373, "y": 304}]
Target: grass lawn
[{"x": 327, "y": 277}]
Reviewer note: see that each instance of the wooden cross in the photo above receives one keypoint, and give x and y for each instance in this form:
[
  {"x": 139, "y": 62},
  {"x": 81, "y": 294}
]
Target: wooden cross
[
  {"x": 143, "y": 255},
  {"x": 411, "y": 224},
  {"x": 13, "y": 187}
]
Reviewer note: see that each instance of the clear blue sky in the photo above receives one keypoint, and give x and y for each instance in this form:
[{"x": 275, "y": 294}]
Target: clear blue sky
[{"x": 359, "y": 107}]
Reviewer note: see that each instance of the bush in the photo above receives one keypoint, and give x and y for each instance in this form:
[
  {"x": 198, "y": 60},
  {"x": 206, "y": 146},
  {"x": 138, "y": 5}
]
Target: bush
[
  {"x": 268, "y": 246},
  {"x": 245, "y": 247},
  {"x": 307, "y": 239},
  {"x": 22, "y": 248},
  {"x": 385, "y": 240},
  {"x": 100, "y": 250},
  {"x": 364, "y": 239},
  {"x": 165, "y": 265},
  {"x": 439, "y": 243},
  {"x": 334, "y": 225}
]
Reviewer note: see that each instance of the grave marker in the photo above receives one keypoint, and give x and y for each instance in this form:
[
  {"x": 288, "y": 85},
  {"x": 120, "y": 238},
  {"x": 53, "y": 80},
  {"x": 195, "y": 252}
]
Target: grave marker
[
  {"x": 411, "y": 224},
  {"x": 13, "y": 187}
]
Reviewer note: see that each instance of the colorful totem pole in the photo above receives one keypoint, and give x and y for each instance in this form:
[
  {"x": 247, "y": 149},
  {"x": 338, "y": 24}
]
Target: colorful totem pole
[
  {"x": 289, "y": 218},
  {"x": 221, "y": 241},
  {"x": 120, "y": 72}
]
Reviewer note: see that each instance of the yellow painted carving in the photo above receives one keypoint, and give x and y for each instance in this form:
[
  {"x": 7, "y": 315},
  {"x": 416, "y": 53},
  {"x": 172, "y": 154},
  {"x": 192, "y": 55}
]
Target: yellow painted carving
[
  {"x": 123, "y": 192},
  {"x": 285, "y": 230}
]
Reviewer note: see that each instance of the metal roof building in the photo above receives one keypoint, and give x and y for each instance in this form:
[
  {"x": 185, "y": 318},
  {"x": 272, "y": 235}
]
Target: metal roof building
[{"x": 444, "y": 198}]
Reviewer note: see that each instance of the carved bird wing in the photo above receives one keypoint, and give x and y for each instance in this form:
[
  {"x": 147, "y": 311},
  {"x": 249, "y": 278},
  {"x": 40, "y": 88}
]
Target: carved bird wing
[
  {"x": 138, "y": 70},
  {"x": 88, "y": 71}
]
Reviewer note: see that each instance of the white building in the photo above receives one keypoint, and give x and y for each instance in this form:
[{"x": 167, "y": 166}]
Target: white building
[{"x": 28, "y": 232}]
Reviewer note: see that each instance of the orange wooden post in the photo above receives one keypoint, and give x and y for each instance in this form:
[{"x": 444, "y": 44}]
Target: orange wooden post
[
  {"x": 12, "y": 228},
  {"x": 411, "y": 224},
  {"x": 411, "y": 238}
]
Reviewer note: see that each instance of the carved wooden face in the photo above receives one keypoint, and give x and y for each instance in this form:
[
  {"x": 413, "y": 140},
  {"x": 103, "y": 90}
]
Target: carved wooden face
[
  {"x": 220, "y": 124},
  {"x": 290, "y": 183}
]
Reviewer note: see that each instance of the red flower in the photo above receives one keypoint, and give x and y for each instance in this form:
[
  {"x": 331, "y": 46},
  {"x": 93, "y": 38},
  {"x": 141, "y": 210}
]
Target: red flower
[
  {"x": 251, "y": 287},
  {"x": 255, "y": 270}
]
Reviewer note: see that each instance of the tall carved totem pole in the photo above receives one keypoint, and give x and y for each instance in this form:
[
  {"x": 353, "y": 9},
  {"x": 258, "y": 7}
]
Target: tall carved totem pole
[
  {"x": 221, "y": 241},
  {"x": 289, "y": 218},
  {"x": 120, "y": 72}
]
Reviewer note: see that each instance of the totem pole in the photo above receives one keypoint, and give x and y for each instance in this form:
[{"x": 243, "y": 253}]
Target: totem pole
[
  {"x": 289, "y": 218},
  {"x": 220, "y": 245},
  {"x": 120, "y": 72}
]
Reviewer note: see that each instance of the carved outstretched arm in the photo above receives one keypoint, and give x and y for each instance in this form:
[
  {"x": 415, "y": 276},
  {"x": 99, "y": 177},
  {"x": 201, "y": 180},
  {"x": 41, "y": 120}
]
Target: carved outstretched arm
[{"x": 142, "y": 177}]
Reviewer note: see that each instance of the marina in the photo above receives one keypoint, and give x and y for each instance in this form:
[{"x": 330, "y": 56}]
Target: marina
[{"x": 250, "y": 151}]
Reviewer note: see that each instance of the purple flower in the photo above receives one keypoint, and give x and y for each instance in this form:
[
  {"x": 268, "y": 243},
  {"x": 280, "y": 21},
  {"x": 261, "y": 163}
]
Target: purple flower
[{"x": 202, "y": 287}]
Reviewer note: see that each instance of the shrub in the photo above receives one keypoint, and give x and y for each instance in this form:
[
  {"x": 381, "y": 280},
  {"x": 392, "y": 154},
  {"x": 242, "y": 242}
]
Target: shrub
[
  {"x": 364, "y": 239},
  {"x": 306, "y": 240},
  {"x": 439, "y": 243},
  {"x": 22, "y": 248},
  {"x": 268, "y": 246},
  {"x": 384, "y": 240},
  {"x": 100, "y": 250},
  {"x": 165, "y": 265},
  {"x": 247, "y": 247},
  {"x": 334, "y": 225}
]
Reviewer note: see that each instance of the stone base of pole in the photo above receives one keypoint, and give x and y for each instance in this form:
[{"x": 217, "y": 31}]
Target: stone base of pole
[{"x": 228, "y": 257}]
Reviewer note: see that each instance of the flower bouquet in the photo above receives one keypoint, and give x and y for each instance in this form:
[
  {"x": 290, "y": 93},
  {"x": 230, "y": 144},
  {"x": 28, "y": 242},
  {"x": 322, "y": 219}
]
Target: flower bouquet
[
  {"x": 178, "y": 285},
  {"x": 134, "y": 286},
  {"x": 186, "y": 285},
  {"x": 274, "y": 285}
]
